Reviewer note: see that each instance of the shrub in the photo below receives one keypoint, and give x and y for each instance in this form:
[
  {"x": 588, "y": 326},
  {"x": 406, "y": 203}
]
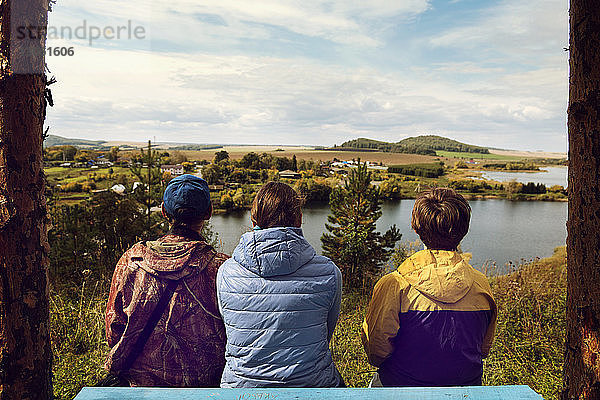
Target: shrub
[
  {"x": 72, "y": 187},
  {"x": 433, "y": 170}
]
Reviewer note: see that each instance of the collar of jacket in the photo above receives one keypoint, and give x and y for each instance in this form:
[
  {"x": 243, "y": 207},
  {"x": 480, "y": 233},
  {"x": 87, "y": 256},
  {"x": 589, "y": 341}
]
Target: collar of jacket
[
  {"x": 184, "y": 231},
  {"x": 169, "y": 259},
  {"x": 273, "y": 251}
]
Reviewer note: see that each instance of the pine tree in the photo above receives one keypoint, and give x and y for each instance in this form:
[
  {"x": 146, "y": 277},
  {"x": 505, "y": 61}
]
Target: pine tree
[
  {"x": 353, "y": 242},
  {"x": 150, "y": 192}
]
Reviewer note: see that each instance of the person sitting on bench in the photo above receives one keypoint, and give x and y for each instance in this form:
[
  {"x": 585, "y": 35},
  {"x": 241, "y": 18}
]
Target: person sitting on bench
[
  {"x": 431, "y": 321},
  {"x": 280, "y": 301},
  {"x": 162, "y": 321}
]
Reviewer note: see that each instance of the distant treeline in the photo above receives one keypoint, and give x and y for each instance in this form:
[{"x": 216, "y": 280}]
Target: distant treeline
[
  {"x": 425, "y": 170},
  {"x": 355, "y": 149},
  {"x": 427, "y": 145},
  {"x": 513, "y": 166},
  {"x": 197, "y": 147}
]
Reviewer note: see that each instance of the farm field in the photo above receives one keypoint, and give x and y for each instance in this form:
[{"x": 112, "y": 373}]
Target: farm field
[
  {"x": 305, "y": 153},
  {"x": 528, "y": 154},
  {"x": 478, "y": 156},
  {"x": 65, "y": 175}
]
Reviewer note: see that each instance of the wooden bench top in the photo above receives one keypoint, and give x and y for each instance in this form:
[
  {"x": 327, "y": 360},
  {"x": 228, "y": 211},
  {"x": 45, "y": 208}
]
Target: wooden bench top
[{"x": 420, "y": 393}]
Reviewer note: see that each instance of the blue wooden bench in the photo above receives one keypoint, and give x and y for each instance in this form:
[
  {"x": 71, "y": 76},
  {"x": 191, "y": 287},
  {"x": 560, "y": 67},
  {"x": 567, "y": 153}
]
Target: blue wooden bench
[{"x": 446, "y": 393}]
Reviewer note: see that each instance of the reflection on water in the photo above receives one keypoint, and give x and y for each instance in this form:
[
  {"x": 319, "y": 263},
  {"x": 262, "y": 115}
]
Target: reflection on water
[
  {"x": 501, "y": 230},
  {"x": 549, "y": 176}
]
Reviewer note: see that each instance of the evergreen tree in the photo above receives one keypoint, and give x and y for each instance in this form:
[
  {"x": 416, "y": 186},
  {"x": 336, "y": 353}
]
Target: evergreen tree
[
  {"x": 221, "y": 156},
  {"x": 294, "y": 164},
  {"x": 353, "y": 242},
  {"x": 113, "y": 154},
  {"x": 150, "y": 192}
]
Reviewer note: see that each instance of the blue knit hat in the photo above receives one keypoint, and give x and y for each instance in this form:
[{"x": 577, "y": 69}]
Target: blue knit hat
[{"x": 187, "y": 191}]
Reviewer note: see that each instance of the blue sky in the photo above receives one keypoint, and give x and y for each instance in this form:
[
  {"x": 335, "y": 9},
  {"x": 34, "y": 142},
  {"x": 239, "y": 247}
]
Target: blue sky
[{"x": 315, "y": 72}]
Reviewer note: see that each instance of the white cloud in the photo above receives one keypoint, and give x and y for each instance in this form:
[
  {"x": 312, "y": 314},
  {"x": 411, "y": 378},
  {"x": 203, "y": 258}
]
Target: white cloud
[
  {"x": 518, "y": 30},
  {"x": 185, "y": 21},
  {"x": 239, "y": 99},
  {"x": 192, "y": 95}
]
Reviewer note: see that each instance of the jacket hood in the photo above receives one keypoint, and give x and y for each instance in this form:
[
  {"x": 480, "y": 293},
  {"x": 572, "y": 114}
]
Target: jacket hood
[
  {"x": 274, "y": 251},
  {"x": 168, "y": 260},
  {"x": 441, "y": 275}
]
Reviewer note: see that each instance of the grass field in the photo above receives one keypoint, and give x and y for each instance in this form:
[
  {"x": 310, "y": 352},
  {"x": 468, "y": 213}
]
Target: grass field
[
  {"x": 100, "y": 177},
  {"x": 66, "y": 175},
  {"x": 529, "y": 341},
  {"x": 237, "y": 153},
  {"x": 527, "y": 350}
]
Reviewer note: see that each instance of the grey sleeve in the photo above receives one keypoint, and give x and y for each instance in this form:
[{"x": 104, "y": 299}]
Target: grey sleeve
[
  {"x": 218, "y": 284},
  {"x": 334, "y": 312}
]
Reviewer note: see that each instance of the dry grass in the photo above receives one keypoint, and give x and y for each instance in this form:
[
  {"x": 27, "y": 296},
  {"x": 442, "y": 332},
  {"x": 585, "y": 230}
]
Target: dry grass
[
  {"x": 529, "y": 343},
  {"x": 346, "y": 345},
  {"x": 77, "y": 334},
  {"x": 528, "y": 347},
  {"x": 237, "y": 153}
]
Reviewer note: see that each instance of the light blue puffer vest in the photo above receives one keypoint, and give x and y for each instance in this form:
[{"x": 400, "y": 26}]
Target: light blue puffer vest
[{"x": 274, "y": 295}]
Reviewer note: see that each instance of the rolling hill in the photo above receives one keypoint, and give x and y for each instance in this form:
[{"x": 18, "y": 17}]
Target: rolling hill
[
  {"x": 53, "y": 140},
  {"x": 426, "y": 144}
]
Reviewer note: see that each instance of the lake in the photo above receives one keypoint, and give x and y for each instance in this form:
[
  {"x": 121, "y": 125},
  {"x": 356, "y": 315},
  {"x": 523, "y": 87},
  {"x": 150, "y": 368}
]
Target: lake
[
  {"x": 501, "y": 231},
  {"x": 549, "y": 176}
]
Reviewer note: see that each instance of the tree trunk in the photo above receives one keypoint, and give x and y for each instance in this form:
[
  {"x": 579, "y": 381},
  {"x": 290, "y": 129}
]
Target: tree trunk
[
  {"x": 582, "y": 357},
  {"x": 25, "y": 352}
]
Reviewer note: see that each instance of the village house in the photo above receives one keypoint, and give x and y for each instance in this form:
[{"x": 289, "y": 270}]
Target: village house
[
  {"x": 174, "y": 170},
  {"x": 289, "y": 175}
]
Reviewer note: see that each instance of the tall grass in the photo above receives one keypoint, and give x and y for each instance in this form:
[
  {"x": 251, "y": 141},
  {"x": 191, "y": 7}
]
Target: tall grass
[
  {"x": 77, "y": 333},
  {"x": 530, "y": 339},
  {"x": 529, "y": 343},
  {"x": 528, "y": 348},
  {"x": 346, "y": 345}
]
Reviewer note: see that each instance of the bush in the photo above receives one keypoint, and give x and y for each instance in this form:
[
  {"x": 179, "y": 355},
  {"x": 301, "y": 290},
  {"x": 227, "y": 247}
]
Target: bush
[
  {"x": 88, "y": 186},
  {"x": 72, "y": 187},
  {"x": 470, "y": 185},
  {"x": 557, "y": 189},
  {"x": 532, "y": 188},
  {"x": 433, "y": 170},
  {"x": 391, "y": 189},
  {"x": 313, "y": 189}
]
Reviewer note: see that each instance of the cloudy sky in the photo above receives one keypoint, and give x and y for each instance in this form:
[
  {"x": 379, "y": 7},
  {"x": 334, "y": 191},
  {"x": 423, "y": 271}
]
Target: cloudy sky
[{"x": 314, "y": 72}]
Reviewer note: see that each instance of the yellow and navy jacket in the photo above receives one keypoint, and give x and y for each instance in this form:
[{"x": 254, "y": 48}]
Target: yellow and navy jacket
[{"x": 430, "y": 322}]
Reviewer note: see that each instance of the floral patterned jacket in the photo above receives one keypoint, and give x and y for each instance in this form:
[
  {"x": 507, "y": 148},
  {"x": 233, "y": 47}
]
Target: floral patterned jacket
[{"x": 187, "y": 346}]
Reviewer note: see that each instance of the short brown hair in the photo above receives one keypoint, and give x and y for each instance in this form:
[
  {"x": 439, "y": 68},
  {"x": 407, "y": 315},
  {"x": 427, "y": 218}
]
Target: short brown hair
[
  {"x": 187, "y": 216},
  {"x": 441, "y": 218},
  {"x": 277, "y": 205}
]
